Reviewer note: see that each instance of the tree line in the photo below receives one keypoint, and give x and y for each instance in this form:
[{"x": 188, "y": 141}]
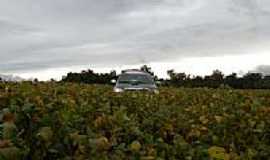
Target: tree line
[
  {"x": 216, "y": 80},
  {"x": 90, "y": 77}
]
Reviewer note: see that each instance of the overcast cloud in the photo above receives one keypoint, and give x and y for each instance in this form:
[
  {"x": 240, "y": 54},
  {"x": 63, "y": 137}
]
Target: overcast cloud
[{"x": 48, "y": 34}]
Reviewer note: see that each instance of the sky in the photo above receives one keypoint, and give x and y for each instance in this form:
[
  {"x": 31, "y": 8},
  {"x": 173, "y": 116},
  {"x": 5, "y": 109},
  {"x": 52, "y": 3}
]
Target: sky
[{"x": 48, "y": 38}]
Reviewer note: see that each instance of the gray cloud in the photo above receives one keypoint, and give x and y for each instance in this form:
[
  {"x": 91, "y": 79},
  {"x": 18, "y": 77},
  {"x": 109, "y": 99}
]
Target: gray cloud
[
  {"x": 265, "y": 69},
  {"x": 38, "y": 34}
]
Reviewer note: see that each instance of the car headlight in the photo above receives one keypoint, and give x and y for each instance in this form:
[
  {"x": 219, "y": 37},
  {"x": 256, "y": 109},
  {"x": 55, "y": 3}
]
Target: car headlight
[{"x": 118, "y": 90}]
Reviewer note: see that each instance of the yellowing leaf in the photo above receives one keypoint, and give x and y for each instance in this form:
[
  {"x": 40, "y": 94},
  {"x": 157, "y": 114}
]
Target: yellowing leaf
[
  {"x": 218, "y": 119},
  {"x": 204, "y": 120},
  {"x": 46, "y": 134},
  {"x": 147, "y": 158},
  {"x": 135, "y": 146},
  {"x": 100, "y": 121},
  {"x": 168, "y": 127},
  {"x": 78, "y": 139},
  {"x": 102, "y": 143},
  {"x": 218, "y": 153},
  {"x": 10, "y": 153},
  {"x": 9, "y": 129},
  {"x": 203, "y": 128},
  {"x": 194, "y": 133}
]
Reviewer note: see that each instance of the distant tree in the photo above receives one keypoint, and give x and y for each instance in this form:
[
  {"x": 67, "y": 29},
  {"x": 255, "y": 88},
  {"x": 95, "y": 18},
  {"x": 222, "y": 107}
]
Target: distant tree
[
  {"x": 181, "y": 76},
  {"x": 178, "y": 78},
  {"x": 265, "y": 83},
  {"x": 113, "y": 74},
  {"x": 253, "y": 76},
  {"x": 214, "y": 80},
  {"x": 51, "y": 80},
  {"x": 171, "y": 74},
  {"x": 267, "y": 77},
  {"x": 252, "y": 80},
  {"x": 148, "y": 69},
  {"x": 90, "y": 77},
  {"x": 217, "y": 76},
  {"x": 232, "y": 80},
  {"x": 197, "y": 81}
]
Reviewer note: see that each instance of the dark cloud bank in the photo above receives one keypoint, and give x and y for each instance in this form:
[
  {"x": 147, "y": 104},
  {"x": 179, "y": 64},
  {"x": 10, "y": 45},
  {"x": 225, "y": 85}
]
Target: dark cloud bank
[{"x": 265, "y": 69}]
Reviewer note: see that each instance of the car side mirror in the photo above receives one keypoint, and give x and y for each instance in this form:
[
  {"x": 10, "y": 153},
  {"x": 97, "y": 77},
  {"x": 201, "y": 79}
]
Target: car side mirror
[{"x": 113, "y": 81}]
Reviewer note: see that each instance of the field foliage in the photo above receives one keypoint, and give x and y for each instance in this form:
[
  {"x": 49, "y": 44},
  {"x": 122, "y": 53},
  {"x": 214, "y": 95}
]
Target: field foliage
[{"x": 72, "y": 121}]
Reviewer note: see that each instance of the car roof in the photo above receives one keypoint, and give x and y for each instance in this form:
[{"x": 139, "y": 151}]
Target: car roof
[{"x": 134, "y": 71}]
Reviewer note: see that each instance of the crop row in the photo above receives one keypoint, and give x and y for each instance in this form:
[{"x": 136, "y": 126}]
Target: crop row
[{"x": 74, "y": 121}]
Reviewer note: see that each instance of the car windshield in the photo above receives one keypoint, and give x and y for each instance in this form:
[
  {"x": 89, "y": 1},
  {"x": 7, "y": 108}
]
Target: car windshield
[{"x": 135, "y": 79}]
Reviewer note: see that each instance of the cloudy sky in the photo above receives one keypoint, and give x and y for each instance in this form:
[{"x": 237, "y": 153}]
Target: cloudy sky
[{"x": 47, "y": 38}]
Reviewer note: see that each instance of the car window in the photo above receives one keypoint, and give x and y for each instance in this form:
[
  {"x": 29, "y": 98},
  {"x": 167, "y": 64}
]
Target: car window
[{"x": 135, "y": 78}]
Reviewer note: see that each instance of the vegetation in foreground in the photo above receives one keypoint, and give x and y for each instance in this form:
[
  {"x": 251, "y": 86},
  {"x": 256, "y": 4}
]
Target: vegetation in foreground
[{"x": 72, "y": 121}]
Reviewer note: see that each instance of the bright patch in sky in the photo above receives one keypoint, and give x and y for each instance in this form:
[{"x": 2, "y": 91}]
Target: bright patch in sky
[{"x": 195, "y": 66}]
